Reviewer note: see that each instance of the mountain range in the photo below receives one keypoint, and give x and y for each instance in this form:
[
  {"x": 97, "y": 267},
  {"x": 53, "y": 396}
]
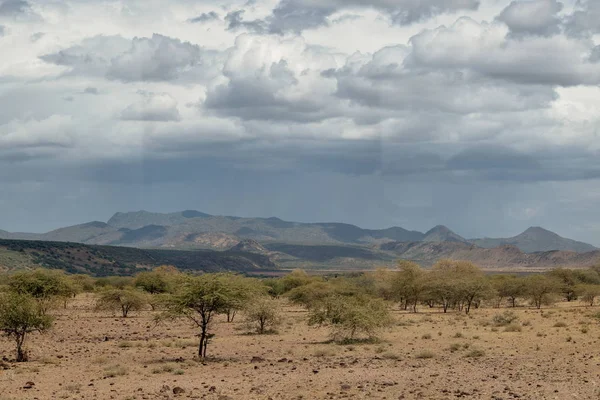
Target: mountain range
[
  {"x": 193, "y": 229},
  {"x": 307, "y": 245}
]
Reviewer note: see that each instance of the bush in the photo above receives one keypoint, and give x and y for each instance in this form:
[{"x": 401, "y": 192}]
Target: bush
[
  {"x": 513, "y": 328},
  {"x": 475, "y": 353},
  {"x": 425, "y": 354},
  {"x": 351, "y": 316},
  {"x": 262, "y": 315},
  {"x": 506, "y": 318}
]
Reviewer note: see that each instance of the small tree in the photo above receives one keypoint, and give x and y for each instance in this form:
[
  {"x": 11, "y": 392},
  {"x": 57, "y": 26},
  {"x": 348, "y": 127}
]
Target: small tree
[
  {"x": 201, "y": 298},
  {"x": 540, "y": 287},
  {"x": 262, "y": 314},
  {"x": 351, "y": 316},
  {"x": 589, "y": 293},
  {"x": 508, "y": 287},
  {"x": 124, "y": 300},
  {"x": 408, "y": 284},
  {"x": 20, "y": 315}
]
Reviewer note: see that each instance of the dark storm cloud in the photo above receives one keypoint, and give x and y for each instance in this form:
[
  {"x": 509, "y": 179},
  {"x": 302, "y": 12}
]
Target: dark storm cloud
[
  {"x": 14, "y": 7},
  {"x": 205, "y": 17},
  {"x": 532, "y": 17},
  {"x": 499, "y": 163}
]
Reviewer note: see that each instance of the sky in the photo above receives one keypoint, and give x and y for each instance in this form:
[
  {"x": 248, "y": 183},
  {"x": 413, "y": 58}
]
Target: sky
[{"x": 482, "y": 115}]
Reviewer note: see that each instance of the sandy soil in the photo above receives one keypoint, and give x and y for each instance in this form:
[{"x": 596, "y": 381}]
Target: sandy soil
[{"x": 428, "y": 355}]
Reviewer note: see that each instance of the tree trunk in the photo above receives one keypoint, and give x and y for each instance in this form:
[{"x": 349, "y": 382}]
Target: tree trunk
[{"x": 20, "y": 339}]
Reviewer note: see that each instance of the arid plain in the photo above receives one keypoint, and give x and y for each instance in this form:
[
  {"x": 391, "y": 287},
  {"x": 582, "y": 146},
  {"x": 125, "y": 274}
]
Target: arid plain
[{"x": 543, "y": 354}]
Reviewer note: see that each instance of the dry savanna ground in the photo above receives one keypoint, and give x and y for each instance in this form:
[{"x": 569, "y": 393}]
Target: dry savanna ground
[{"x": 545, "y": 354}]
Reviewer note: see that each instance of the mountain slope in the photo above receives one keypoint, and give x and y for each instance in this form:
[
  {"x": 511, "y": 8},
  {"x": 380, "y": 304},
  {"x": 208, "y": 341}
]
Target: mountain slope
[
  {"x": 110, "y": 260},
  {"x": 507, "y": 256},
  {"x": 441, "y": 233},
  {"x": 536, "y": 239}
]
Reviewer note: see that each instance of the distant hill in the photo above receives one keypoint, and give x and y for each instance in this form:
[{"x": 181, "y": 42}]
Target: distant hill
[
  {"x": 442, "y": 234},
  {"x": 507, "y": 256},
  {"x": 197, "y": 230},
  {"x": 110, "y": 260},
  {"x": 188, "y": 229},
  {"x": 250, "y": 246},
  {"x": 537, "y": 239}
]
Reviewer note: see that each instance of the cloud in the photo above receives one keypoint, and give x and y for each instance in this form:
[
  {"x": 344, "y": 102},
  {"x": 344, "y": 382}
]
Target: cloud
[
  {"x": 263, "y": 81},
  {"x": 157, "y": 58},
  {"x": 14, "y": 7},
  {"x": 36, "y": 137},
  {"x": 585, "y": 20},
  {"x": 152, "y": 107},
  {"x": 235, "y": 21},
  {"x": 91, "y": 90},
  {"x": 532, "y": 17},
  {"x": 2, "y": 30},
  {"x": 299, "y": 15},
  {"x": 205, "y": 17},
  {"x": 484, "y": 48}
]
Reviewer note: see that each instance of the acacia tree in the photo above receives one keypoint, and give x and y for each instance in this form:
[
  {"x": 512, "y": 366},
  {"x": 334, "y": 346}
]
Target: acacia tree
[
  {"x": 243, "y": 289},
  {"x": 540, "y": 287},
  {"x": 408, "y": 284},
  {"x": 589, "y": 293},
  {"x": 508, "y": 287},
  {"x": 20, "y": 315},
  {"x": 351, "y": 316},
  {"x": 200, "y": 299},
  {"x": 472, "y": 284},
  {"x": 123, "y": 300}
]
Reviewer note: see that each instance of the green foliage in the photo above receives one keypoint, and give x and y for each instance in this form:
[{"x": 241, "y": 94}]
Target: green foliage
[
  {"x": 408, "y": 284},
  {"x": 351, "y": 317},
  {"x": 84, "y": 282},
  {"x": 123, "y": 300},
  {"x": 46, "y": 286},
  {"x": 508, "y": 287},
  {"x": 295, "y": 279},
  {"x": 153, "y": 282},
  {"x": 21, "y": 314},
  {"x": 115, "y": 282},
  {"x": 541, "y": 288},
  {"x": 589, "y": 293},
  {"x": 262, "y": 314},
  {"x": 458, "y": 283},
  {"x": 310, "y": 294}
]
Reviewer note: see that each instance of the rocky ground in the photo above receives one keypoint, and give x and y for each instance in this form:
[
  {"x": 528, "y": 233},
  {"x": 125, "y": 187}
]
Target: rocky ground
[{"x": 547, "y": 354}]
